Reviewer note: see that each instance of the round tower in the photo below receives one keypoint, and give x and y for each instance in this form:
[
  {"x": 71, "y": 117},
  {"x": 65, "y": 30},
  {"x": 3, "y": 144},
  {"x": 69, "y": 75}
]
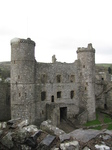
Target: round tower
[
  {"x": 23, "y": 79},
  {"x": 87, "y": 59}
]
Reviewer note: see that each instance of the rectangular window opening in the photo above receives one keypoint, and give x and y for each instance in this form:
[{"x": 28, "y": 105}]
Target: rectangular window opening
[
  {"x": 52, "y": 98},
  {"x": 72, "y": 78},
  {"x": 72, "y": 94},
  {"x": 43, "y": 78},
  {"x": 43, "y": 96},
  {"x": 58, "y": 78},
  {"x": 59, "y": 94}
]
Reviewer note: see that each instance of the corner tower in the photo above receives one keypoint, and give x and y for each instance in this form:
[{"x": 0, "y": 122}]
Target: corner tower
[
  {"x": 23, "y": 79},
  {"x": 87, "y": 59}
]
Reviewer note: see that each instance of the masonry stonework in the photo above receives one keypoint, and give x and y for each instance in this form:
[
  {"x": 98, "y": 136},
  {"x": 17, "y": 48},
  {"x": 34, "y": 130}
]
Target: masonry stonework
[{"x": 56, "y": 90}]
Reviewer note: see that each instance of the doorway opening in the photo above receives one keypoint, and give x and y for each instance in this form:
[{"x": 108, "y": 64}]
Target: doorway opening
[{"x": 63, "y": 113}]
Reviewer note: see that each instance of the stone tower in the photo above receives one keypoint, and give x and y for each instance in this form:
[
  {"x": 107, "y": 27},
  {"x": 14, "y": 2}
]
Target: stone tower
[
  {"x": 23, "y": 79},
  {"x": 87, "y": 60}
]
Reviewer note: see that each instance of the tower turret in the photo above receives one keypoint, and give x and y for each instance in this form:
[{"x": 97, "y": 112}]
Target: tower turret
[
  {"x": 87, "y": 59},
  {"x": 23, "y": 79}
]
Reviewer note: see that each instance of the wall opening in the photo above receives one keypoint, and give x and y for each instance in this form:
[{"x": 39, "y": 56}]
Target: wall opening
[
  {"x": 105, "y": 106},
  {"x": 18, "y": 76},
  {"x": 72, "y": 78},
  {"x": 83, "y": 66},
  {"x": 52, "y": 98},
  {"x": 59, "y": 94},
  {"x": 72, "y": 94},
  {"x": 58, "y": 78},
  {"x": 43, "y": 96},
  {"x": 102, "y": 79},
  {"x": 19, "y": 94},
  {"x": 43, "y": 78},
  {"x": 63, "y": 113}
]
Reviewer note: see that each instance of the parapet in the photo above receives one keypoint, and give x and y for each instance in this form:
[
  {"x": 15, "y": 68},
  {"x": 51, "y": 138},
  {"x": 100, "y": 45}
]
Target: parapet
[
  {"x": 88, "y": 49},
  {"x": 18, "y": 40}
]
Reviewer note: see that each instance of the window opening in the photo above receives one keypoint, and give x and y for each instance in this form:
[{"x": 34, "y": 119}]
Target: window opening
[
  {"x": 83, "y": 66},
  {"x": 59, "y": 94},
  {"x": 72, "y": 94},
  {"x": 19, "y": 94},
  {"x": 58, "y": 78},
  {"x": 52, "y": 98},
  {"x": 72, "y": 78},
  {"x": 102, "y": 79},
  {"x": 43, "y": 96},
  {"x": 43, "y": 78}
]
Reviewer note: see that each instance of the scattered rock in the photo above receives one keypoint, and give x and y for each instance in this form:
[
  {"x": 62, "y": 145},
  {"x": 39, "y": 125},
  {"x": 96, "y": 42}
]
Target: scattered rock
[
  {"x": 48, "y": 127},
  {"x": 64, "y": 137},
  {"x": 74, "y": 145},
  {"x": 106, "y": 137},
  {"x": 46, "y": 142},
  {"x": 86, "y": 148},
  {"x": 102, "y": 147},
  {"x": 84, "y": 135},
  {"x": 29, "y": 137},
  {"x": 7, "y": 140},
  {"x": 32, "y": 140}
]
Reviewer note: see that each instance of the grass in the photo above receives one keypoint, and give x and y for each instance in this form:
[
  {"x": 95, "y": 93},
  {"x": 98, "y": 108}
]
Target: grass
[
  {"x": 104, "y": 65},
  {"x": 107, "y": 119},
  {"x": 109, "y": 127},
  {"x": 94, "y": 122}
]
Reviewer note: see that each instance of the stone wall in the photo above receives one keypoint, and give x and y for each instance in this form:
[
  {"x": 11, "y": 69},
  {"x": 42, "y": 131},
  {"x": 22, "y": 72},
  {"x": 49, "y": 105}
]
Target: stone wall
[
  {"x": 58, "y": 82},
  {"x": 4, "y": 101}
]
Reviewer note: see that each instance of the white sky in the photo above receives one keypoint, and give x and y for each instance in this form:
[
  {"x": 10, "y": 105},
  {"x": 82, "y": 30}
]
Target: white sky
[{"x": 58, "y": 27}]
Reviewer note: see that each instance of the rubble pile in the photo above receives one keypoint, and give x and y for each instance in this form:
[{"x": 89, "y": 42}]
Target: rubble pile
[{"x": 19, "y": 135}]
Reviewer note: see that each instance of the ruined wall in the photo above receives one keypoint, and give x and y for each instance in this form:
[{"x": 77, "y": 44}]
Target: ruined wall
[
  {"x": 23, "y": 79},
  {"x": 41, "y": 91},
  {"x": 4, "y": 101},
  {"x": 59, "y": 82}
]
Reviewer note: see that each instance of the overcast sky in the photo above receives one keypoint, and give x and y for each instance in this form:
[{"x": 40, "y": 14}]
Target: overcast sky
[{"x": 58, "y": 27}]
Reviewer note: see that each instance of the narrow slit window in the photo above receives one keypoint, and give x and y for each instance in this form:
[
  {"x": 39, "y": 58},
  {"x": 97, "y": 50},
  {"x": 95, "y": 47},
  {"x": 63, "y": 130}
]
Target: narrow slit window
[
  {"x": 19, "y": 94},
  {"x": 52, "y": 98}
]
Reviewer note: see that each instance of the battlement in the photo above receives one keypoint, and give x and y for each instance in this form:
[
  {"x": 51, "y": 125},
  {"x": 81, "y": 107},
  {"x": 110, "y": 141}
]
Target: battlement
[
  {"x": 18, "y": 40},
  {"x": 88, "y": 49}
]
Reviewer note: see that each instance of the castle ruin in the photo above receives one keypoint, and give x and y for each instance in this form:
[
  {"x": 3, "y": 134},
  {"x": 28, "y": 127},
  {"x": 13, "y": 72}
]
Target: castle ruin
[{"x": 54, "y": 91}]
